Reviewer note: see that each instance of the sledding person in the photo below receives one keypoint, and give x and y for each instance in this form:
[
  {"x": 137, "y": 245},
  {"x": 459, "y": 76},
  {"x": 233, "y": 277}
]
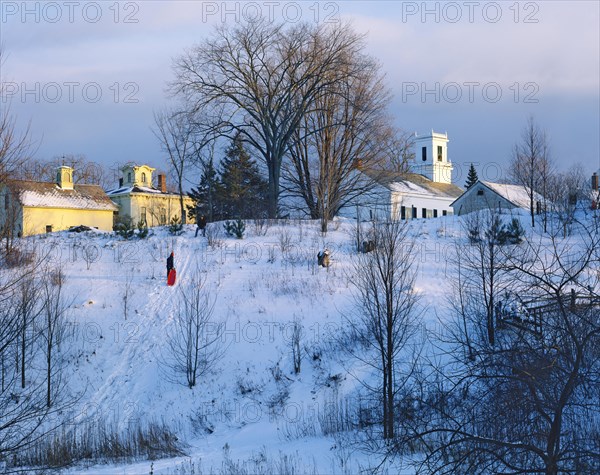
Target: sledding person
[
  {"x": 200, "y": 224},
  {"x": 169, "y": 264}
]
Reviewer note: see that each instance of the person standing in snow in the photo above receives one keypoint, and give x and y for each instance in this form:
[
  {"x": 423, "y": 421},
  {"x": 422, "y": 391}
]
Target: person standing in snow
[
  {"x": 169, "y": 263},
  {"x": 200, "y": 224}
]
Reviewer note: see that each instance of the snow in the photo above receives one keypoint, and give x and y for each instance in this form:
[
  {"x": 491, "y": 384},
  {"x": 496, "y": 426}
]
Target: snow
[
  {"x": 516, "y": 194},
  {"x": 132, "y": 189},
  {"x": 57, "y": 198},
  {"x": 261, "y": 283}
]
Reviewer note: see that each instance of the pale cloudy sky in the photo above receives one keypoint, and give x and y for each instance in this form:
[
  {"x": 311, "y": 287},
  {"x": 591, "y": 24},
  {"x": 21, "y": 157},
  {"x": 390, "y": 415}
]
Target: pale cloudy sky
[{"x": 88, "y": 75}]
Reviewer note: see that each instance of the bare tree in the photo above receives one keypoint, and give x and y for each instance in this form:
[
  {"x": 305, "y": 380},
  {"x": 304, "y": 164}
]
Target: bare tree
[
  {"x": 23, "y": 403},
  {"x": 193, "y": 344},
  {"x": 15, "y": 146},
  {"x": 482, "y": 268},
  {"x": 296, "y": 338},
  {"x": 527, "y": 404},
  {"x": 530, "y": 162},
  {"x": 176, "y": 134},
  {"x": 86, "y": 172},
  {"x": 346, "y": 129},
  {"x": 385, "y": 315},
  {"x": 266, "y": 77},
  {"x": 567, "y": 189},
  {"x": 54, "y": 313}
]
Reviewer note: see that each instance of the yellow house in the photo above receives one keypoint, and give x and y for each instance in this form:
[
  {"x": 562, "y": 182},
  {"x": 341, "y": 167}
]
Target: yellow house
[
  {"x": 32, "y": 207},
  {"x": 138, "y": 199}
]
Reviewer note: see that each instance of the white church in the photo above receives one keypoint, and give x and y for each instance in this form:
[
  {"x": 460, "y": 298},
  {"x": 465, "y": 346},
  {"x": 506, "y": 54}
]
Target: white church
[{"x": 426, "y": 192}]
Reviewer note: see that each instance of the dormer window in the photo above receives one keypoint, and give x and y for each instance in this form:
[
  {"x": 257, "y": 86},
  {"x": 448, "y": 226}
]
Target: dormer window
[
  {"x": 439, "y": 153},
  {"x": 143, "y": 178},
  {"x": 424, "y": 154},
  {"x": 479, "y": 192},
  {"x": 129, "y": 177}
]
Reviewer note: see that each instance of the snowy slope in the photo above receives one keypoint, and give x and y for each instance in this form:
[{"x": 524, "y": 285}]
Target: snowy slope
[{"x": 261, "y": 283}]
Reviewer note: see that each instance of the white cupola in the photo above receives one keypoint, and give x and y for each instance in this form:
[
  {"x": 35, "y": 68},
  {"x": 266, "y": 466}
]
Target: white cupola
[{"x": 431, "y": 157}]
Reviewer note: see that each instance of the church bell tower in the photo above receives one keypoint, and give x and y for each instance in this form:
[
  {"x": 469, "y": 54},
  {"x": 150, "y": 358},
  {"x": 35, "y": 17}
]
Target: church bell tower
[{"x": 431, "y": 157}]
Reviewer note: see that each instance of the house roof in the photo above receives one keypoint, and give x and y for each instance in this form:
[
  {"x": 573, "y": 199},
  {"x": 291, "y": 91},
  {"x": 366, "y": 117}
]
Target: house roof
[
  {"x": 413, "y": 183},
  {"x": 37, "y": 194},
  {"x": 124, "y": 190},
  {"x": 516, "y": 194},
  {"x": 133, "y": 189}
]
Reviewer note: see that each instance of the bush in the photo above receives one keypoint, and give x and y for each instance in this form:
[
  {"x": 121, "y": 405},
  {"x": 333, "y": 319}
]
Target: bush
[
  {"x": 176, "y": 228},
  {"x": 513, "y": 232},
  {"x": 235, "y": 228},
  {"x": 142, "y": 230},
  {"x": 124, "y": 227}
]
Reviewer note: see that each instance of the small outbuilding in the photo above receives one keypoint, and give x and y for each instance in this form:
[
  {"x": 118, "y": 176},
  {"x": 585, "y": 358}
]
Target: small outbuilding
[{"x": 484, "y": 195}]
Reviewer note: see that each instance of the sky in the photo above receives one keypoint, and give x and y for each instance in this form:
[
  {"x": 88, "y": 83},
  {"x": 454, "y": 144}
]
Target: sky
[{"x": 87, "y": 76}]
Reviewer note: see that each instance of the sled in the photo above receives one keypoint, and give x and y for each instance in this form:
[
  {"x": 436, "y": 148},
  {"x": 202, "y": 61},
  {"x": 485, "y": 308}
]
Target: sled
[{"x": 171, "y": 277}]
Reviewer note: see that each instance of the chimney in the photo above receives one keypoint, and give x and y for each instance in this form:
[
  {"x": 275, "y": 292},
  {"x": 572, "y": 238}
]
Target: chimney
[
  {"x": 162, "y": 183},
  {"x": 595, "y": 182}
]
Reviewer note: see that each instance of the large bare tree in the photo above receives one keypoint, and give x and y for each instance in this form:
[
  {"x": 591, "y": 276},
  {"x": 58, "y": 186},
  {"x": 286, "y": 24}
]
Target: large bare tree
[
  {"x": 346, "y": 129},
  {"x": 266, "y": 77}
]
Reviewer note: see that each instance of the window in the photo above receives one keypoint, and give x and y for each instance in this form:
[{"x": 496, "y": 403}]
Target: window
[
  {"x": 424, "y": 212},
  {"x": 129, "y": 177},
  {"x": 435, "y": 213},
  {"x": 163, "y": 216},
  {"x": 479, "y": 192},
  {"x": 402, "y": 212},
  {"x": 143, "y": 178},
  {"x": 48, "y": 228},
  {"x": 444, "y": 213},
  {"x": 143, "y": 215},
  {"x": 414, "y": 212},
  {"x": 424, "y": 154},
  {"x": 439, "y": 154}
]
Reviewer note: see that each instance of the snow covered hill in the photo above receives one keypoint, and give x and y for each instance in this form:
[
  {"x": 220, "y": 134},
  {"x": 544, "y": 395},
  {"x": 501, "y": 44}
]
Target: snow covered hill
[{"x": 251, "y": 411}]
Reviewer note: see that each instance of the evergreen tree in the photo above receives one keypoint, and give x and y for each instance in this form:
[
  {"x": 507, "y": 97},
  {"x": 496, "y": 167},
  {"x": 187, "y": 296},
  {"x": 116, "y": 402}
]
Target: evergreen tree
[
  {"x": 471, "y": 177},
  {"x": 206, "y": 196},
  {"x": 244, "y": 191}
]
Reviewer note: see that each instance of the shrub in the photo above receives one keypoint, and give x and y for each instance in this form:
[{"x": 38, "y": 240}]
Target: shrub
[
  {"x": 176, "y": 228},
  {"x": 142, "y": 230},
  {"x": 124, "y": 227},
  {"x": 235, "y": 228}
]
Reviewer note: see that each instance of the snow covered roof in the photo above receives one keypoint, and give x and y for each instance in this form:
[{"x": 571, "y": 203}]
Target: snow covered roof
[
  {"x": 37, "y": 194},
  {"x": 413, "y": 183},
  {"x": 516, "y": 194},
  {"x": 133, "y": 189}
]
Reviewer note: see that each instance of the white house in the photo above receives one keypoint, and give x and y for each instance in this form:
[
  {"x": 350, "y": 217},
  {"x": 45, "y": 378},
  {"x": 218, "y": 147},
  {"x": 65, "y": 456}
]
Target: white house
[
  {"x": 499, "y": 196},
  {"x": 426, "y": 192}
]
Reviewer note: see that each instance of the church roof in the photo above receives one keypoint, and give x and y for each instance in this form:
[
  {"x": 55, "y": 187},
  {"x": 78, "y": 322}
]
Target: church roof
[
  {"x": 414, "y": 183},
  {"x": 36, "y": 194}
]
